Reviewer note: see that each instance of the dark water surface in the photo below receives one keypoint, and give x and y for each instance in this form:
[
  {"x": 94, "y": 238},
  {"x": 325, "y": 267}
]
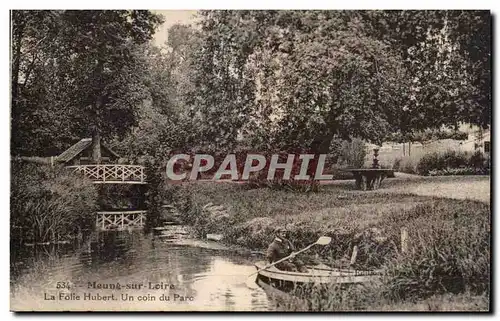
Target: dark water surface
[{"x": 183, "y": 276}]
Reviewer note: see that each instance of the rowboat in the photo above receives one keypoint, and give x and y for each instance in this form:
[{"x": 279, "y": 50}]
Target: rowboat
[{"x": 316, "y": 275}]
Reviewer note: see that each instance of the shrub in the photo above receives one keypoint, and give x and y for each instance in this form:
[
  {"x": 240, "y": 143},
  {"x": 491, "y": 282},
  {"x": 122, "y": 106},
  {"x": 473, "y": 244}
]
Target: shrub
[
  {"x": 437, "y": 161},
  {"x": 405, "y": 165},
  {"x": 454, "y": 159},
  {"x": 479, "y": 160},
  {"x": 180, "y": 197},
  {"x": 121, "y": 196},
  {"x": 453, "y": 163},
  {"x": 352, "y": 154},
  {"x": 459, "y": 171},
  {"x": 50, "y": 203}
]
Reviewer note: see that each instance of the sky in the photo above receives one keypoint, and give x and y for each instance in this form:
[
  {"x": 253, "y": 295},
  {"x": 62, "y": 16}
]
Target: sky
[{"x": 171, "y": 17}]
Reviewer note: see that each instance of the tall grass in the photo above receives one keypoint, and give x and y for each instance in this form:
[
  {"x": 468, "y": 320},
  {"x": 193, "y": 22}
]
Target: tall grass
[
  {"x": 49, "y": 204},
  {"x": 370, "y": 297},
  {"x": 449, "y": 249}
]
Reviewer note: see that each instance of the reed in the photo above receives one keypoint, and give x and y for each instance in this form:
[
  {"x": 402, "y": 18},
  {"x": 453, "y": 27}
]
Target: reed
[{"x": 50, "y": 204}]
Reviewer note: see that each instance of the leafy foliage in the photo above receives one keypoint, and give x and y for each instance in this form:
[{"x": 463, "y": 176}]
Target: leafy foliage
[
  {"x": 299, "y": 78},
  {"x": 352, "y": 154},
  {"x": 447, "y": 55},
  {"x": 76, "y": 73},
  {"x": 405, "y": 164},
  {"x": 293, "y": 79},
  {"x": 428, "y": 135},
  {"x": 262, "y": 80}
]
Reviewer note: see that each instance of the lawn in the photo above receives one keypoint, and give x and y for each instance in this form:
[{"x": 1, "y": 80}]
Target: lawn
[
  {"x": 475, "y": 187},
  {"x": 456, "y": 187}
]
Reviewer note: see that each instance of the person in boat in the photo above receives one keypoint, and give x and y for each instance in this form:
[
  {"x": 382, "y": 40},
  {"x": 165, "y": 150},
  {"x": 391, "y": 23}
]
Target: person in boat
[{"x": 281, "y": 247}]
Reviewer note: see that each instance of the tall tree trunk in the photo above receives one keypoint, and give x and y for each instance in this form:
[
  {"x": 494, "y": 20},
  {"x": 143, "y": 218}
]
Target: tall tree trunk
[
  {"x": 96, "y": 145},
  {"x": 323, "y": 140},
  {"x": 96, "y": 133},
  {"x": 17, "y": 34},
  {"x": 321, "y": 145}
]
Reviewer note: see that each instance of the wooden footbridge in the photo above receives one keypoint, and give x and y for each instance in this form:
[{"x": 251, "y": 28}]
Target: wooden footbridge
[
  {"x": 115, "y": 174},
  {"x": 78, "y": 158},
  {"x": 112, "y": 173},
  {"x": 109, "y": 170},
  {"x": 120, "y": 220}
]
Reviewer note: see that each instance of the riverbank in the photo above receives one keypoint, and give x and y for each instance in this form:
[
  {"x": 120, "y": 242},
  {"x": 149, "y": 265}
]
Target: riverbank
[
  {"x": 49, "y": 205},
  {"x": 445, "y": 257}
]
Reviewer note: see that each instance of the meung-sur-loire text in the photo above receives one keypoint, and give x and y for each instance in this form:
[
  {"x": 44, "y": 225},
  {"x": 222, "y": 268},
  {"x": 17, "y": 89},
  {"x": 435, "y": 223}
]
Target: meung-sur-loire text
[{"x": 130, "y": 286}]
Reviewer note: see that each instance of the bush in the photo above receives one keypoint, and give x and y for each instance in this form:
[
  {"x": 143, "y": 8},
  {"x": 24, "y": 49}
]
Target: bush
[
  {"x": 352, "y": 154},
  {"x": 453, "y": 163},
  {"x": 479, "y": 160},
  {"x": 459, "y": 171},
  {"x": 405, "y": 165},
  {"x": 50, "y": 203},
  {"x": 121, "y": 196}
]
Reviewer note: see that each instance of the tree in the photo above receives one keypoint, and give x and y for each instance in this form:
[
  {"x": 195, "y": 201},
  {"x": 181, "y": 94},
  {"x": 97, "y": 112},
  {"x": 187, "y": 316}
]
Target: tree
[
  {"x": 104, "y": 65},
  {"x": 34, "y": 96},
  {"x": 447, "y": 54},
  {"x": 287, "y": 78},
  {"x": 301, "y": 77},
  {"x": 163, "y": 120},
  {"x": 93, "y": 82}
]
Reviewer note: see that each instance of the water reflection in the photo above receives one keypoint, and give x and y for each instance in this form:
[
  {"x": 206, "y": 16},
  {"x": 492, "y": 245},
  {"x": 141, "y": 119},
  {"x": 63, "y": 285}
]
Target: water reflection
[{"x": 213, "y": 279}]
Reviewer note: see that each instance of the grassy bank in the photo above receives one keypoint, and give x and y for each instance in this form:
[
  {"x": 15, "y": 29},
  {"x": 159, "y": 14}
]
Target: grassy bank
[
  {"x": 449, "y": 250},
  {"x": 49, "y": 204}
]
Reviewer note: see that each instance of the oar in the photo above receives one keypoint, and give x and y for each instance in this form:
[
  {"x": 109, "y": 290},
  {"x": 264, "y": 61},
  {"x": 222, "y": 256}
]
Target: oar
[{"x": 324, "y": 240}]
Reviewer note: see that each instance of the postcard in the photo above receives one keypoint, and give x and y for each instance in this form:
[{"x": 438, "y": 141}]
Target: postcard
[{"x": 250, "y": 160}]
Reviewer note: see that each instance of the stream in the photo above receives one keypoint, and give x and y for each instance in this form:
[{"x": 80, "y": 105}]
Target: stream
[{"x": 131, "y": 271}]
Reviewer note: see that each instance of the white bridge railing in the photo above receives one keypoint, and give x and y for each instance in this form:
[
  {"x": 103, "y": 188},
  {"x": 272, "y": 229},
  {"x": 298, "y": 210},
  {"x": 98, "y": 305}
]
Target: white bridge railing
[
  {"x": 111, "y": 173},
  {"x": 120, "y": 220}
]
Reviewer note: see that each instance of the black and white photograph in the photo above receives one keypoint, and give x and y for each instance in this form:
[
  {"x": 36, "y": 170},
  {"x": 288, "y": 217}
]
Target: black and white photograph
[{"x": 250, "y": 160}]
